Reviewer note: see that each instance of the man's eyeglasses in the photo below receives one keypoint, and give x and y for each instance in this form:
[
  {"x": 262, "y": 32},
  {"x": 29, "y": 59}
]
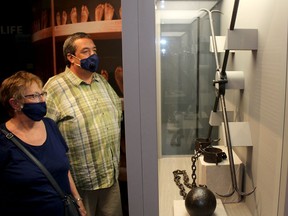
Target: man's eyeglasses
[{"x": 36, "y": 96}]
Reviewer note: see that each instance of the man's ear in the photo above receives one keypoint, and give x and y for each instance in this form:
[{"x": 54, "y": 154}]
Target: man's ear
[{"x": 70, "y": 58}]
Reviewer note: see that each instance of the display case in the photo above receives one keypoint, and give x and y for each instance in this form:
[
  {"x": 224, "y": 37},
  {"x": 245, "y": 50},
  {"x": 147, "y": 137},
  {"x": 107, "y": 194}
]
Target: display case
[{"x": 185, "y": 68}]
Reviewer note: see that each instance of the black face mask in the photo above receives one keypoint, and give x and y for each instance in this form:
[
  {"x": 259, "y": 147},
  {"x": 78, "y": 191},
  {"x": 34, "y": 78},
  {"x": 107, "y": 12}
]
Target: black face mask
[
  {"x": 90, "y": 63},
  {"x": 35, "y": 111}
]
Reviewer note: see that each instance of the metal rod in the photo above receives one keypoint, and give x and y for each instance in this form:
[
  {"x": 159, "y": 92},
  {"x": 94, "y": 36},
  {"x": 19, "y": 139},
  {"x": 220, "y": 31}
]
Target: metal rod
[
  {"x": 220, "y": 96},
  {"x": 215, "y": 50},
  {"x": 214, "y": 44},
  {"x": 232, "y": 25},
  {"x": 223, "y": 75},
  {"x": 234, "y": 14},
  {"x": 198, "y": 77}
]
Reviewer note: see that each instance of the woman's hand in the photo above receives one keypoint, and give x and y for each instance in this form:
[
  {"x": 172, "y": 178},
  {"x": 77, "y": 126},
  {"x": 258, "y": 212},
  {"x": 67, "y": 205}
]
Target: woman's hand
[{"x": 82, "y": 208}]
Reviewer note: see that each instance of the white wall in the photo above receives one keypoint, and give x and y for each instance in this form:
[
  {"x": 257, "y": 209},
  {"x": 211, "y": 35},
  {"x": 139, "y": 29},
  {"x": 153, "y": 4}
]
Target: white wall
[{"x": 262, "y": 103}]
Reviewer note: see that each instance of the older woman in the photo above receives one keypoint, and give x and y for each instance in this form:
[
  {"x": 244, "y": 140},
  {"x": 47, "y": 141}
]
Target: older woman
[{"x": 24, "y": 189}]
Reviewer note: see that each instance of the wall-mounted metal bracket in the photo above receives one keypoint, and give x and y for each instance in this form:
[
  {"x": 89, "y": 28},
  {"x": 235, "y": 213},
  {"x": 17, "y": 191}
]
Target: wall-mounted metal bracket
[
  {"x": 220, "y": 42},
  {"x": 216, "y": 118},
  {"x": 242, "y": 39},
  {"x": 240, "y": 133}
]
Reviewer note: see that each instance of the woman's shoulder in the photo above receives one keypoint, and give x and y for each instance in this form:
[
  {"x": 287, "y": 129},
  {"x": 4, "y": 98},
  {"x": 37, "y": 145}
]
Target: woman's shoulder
[
  {"x": 49, "y": 122},
  {"x": 5, "y": 143},
  {"x": 51, "y": 125},
  {"x": 52, "y": 128},
  {"x": 2, "y": 135}
]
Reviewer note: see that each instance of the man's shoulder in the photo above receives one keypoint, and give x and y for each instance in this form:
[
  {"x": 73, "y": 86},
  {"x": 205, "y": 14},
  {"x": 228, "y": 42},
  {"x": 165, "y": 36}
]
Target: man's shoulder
[
  {"x": 56, "y": 77},
  {"x": 55, "y": 80}
]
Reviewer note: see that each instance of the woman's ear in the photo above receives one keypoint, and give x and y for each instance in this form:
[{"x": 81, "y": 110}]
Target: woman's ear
[{"x": 15, "y": 104}]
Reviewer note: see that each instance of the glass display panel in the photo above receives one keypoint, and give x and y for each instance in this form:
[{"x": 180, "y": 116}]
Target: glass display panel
[{"x": 185, "y": 72}]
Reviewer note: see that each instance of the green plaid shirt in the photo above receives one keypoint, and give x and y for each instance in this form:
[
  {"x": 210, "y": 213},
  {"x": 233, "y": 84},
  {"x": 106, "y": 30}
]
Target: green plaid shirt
[{"x": 88, "y": 116}]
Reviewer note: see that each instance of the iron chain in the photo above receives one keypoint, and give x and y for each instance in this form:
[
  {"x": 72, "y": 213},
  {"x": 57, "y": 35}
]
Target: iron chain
[{"x": 177, "y": 177}]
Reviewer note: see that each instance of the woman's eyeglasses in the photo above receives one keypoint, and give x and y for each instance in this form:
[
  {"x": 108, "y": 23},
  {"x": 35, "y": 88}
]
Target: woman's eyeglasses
[{"x": 36, "y": 96}]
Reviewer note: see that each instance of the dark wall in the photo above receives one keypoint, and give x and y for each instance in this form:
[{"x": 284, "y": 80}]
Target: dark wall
[{"x": 15, "y": 40}]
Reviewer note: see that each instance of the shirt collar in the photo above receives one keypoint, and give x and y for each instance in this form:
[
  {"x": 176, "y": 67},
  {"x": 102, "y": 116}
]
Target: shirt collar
[{"x": 76, "y": 80}]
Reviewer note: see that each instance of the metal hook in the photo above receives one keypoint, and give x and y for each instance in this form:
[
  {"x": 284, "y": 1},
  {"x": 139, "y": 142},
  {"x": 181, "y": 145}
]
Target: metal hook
[
  {"x": 220, "y": 97},
  {"x": 213, "y": 34},
  {"x": 230, "y": 153},
  {"x": 238, "y": 191}
]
